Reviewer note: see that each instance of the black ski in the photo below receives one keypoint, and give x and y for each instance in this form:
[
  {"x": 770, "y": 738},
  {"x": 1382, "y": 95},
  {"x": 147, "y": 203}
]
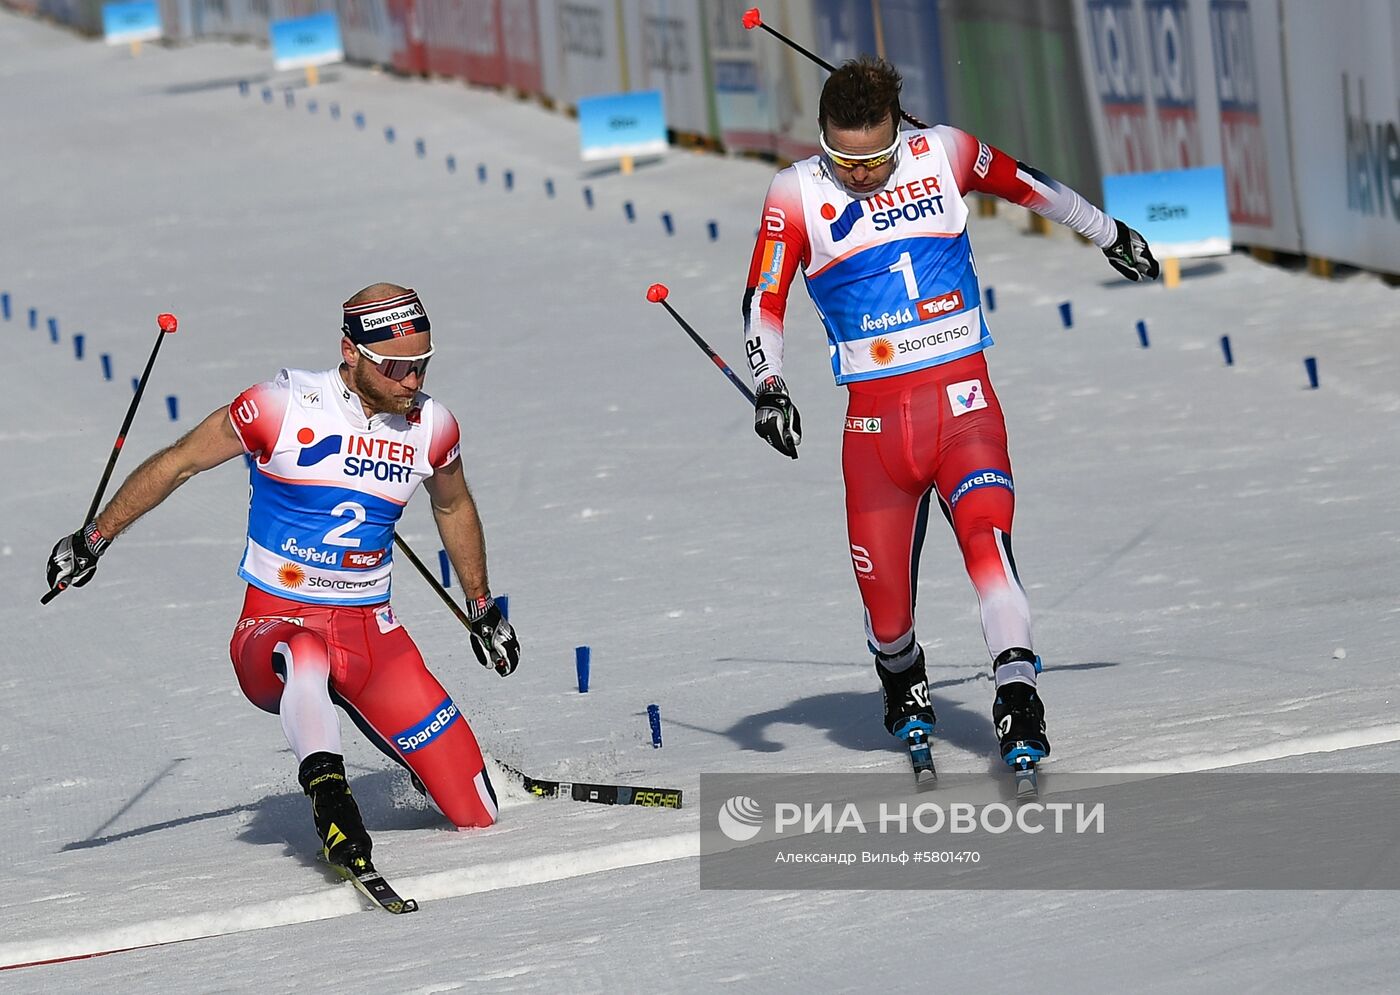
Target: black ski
[
  {"x": 372, "y": 885},
  {"x": 921, "y": 757},
  {"x": 601, "y": 794}
]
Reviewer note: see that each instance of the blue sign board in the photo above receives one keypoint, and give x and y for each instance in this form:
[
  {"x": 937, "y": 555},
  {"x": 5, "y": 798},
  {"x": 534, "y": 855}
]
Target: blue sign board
[
  {"x": 130, "y": 21},
  {"x": 299, "y": 42},
  {"x": 1181, "y": 212},
  {"x": 622, "y": 124}
]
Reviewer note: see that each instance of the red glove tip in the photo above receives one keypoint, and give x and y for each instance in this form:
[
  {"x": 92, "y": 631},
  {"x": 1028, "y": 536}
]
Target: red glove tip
[
  {"x": 167, "y": 322},
  {"x": 657, "y": 292},
  {"x": 752, "y": 18}
]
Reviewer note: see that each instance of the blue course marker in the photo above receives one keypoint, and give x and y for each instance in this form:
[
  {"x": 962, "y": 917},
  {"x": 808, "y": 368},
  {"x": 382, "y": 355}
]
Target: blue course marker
[
  {"x": 267, "y": 94},
  {"x": 510, "y": 179},
  {"x": 53, "y": 329},
  {"x": 311, "y": 106},
  {"x": 172, "y": 404},
  {"x": 34, "y": 317},
  {"x": 359, "y": 120},
  {"x": 481, "y": 172},
  {"x": 629, "y": 210},
  {"x": 991, "y": 298},
  {"x": 335, "y": 112},
  {"x": 289, "y": 97},
  {"x": 243, "y": 88},
  {"x": 389, "y": 134},
  {"x": 421, "y": 147},
  {"x": 667, "y": 223},
  {"x": 654, "y": 717},
  {"x": 1142, "y": 332},
  {"x": 1310, "y": 364},
  {"x": 135, "y": 383},
  {"x": 452, "y": 164},
  {"x": 1225, "y": 348},
  {"x": 581, "y": 666},
  {"x": 78, "y": 342},
  {"x": 5, "y": 305},
  {"x": 1066, "y": 316},
  {"x": 549, "y": 188},
  {"x": 445, "y": 567},
  {"x": 713, "y": 229},
  {"x": 106, "y": 366},
  {"x": 588, "y": 197}
]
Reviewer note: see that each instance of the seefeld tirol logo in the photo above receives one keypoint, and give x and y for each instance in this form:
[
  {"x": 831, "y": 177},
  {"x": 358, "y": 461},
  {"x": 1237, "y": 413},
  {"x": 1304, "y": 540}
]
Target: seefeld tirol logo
[{"x": 740, "y": 818}]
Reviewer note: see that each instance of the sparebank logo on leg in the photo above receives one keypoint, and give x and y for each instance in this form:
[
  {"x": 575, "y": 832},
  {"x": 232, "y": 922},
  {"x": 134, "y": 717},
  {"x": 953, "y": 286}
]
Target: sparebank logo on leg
[
  {"x": 429, "y": 729},
  {"x": 741, "y": 818}
]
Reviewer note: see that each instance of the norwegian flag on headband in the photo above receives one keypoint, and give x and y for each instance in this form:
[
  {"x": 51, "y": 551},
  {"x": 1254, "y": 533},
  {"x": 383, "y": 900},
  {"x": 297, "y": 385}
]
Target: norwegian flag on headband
[{"x": 389, "y": 318}]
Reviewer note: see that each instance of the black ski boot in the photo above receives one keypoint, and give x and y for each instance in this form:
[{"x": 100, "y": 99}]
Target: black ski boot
[
  {"x": 344, "y": 841},
  {"x": 1018, "y": 713},
  {"x": 907, "y": 706}
]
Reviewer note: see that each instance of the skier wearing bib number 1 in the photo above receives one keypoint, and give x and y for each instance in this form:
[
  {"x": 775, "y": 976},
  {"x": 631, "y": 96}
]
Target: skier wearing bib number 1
[
  {"x": 333, "y": 457},
  {"x": 877, "y": 226}
]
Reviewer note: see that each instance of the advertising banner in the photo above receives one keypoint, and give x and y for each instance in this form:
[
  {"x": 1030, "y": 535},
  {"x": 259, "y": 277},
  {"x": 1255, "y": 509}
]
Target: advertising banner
[
  {"x": 1181, "y": 212},
  {"x": 366, "y": 30},
  {"x": 520, "y": 33},
  {"x": 462, "y": 38},
  {"x": 589, "y": 49},
  {"x": 665, "y": 51},
  {"x": 127, "y": 21},
  {"x": 622, "y": 124},
  {"x": 299, "y": 42},
  {"x": 1342, "y": 89},
  {"x": 1014, "y": 81}
]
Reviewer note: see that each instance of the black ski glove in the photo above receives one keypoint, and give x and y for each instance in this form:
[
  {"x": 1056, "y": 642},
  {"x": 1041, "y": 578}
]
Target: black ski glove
[
  {"x": 1130, "y": 255},
  {"x": 775, "y": 417},
  {"x": 74, "y": 558},
  {"x": 493, "y": 639}
]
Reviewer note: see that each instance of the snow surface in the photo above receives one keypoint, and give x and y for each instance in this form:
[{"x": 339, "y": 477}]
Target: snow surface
[{"x": 1210, "y": 554}]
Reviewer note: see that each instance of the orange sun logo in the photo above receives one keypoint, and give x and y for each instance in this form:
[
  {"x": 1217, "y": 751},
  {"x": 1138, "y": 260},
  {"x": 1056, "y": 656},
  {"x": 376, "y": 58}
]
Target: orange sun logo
[
  {"x": 291, "y": 575},
  {"x": 882, "y": 352}
]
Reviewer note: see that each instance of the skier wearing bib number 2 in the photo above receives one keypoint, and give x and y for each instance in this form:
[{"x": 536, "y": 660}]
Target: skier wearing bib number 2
[
  {"x": 877, "y": 225},
  {"x": 333, "y": 458}
]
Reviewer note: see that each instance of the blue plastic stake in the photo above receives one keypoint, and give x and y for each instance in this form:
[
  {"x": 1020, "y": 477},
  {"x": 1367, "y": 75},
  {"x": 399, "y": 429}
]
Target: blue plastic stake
[
  {"x": 503, "y": 603},
  {"x": 629, "y": 210},
  {"x": 311, "y": 106},
  {"x": 991, "y": 298},
  {"x": 421, "y": 147},
  {"x": 289, "y": 97},
  {"x": 667, "y": 223},
  {"x": 549, "y": 188},
  {"x": 34, "y": 317},
  {"x": 172, "y": 405},
  {"x": 1225, "y": 348},
  {"x": 452, "y": 164},
  {"x": 510, "y": 179},
  {"x": 53, "y": 329},
  {"x": 654, "y": 717},
  {"x": 243, "y": 88},
  {"x": 1066, "y": 316},
  {"x": 267, "y": 94},
  {"x": 106, "y": 366},
  {"x": 581, "y": 662},
  {"x": 445, "y": 567},
  {"x": 1310, "y": 364},
  {"x": 359, "y": 120},
  {"x": 713, "y": 229},
  {"x": 389, "y": 134},
  {"x": 335, "y": 112},
  {"x": 135, "y": 383},
  {"x": 588, "y": 197},
  {"x": 5, "y": 305},
  {"x": 1142, "y": 333},
  {"x": 481, "y": 172},
  {"x": 78, "y": 345}
]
